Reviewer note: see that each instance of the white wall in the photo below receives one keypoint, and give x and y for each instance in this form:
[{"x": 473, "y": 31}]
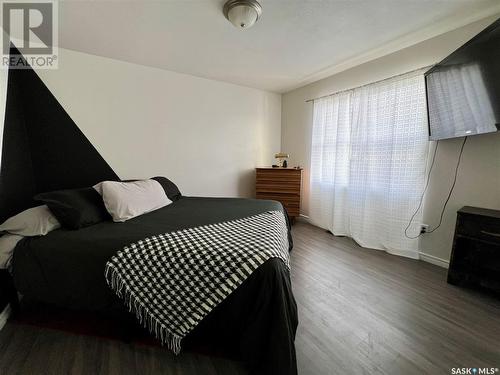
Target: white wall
[
  {"x": 3, "y": 96},
  {"x": 479, "y": 182},
  {"x": 4, "y": 73},
  {"x": 207, "y": 136}
]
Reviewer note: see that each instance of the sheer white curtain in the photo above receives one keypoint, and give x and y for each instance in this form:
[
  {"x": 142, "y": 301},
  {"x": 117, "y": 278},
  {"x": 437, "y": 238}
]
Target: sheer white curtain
[{"x": 368, "y": 163}]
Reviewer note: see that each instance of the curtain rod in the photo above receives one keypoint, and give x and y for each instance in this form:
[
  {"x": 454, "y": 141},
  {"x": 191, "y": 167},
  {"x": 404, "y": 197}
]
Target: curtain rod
[{"x": 371, "y": 83}]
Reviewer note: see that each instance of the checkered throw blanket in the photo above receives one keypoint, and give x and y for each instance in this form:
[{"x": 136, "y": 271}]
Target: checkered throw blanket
[{"x": 172, "y": 281}]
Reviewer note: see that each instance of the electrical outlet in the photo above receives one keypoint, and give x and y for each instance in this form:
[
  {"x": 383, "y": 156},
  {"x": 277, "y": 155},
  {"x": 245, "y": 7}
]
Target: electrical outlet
[{"x": 423, "y": 228}]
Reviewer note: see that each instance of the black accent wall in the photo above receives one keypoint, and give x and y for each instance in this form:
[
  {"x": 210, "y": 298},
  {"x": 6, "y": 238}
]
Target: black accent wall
[{"x": 43, "y": 149}]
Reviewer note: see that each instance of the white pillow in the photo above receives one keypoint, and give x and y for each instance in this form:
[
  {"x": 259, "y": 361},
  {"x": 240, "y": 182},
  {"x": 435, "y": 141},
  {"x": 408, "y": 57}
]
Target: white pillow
[
  {"x": 36, "y": 221},
  {"x": 7, "y": 244},
  {"x": 126, "y": 200}
]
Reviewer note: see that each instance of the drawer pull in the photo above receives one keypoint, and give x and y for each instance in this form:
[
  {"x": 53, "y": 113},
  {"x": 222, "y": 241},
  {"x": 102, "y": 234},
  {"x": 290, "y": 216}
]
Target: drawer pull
[{"x": 490, "y": 233}]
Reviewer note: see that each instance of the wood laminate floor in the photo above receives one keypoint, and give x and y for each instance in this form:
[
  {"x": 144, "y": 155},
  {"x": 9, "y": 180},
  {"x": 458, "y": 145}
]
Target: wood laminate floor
[{"x": 361, "y": 312}]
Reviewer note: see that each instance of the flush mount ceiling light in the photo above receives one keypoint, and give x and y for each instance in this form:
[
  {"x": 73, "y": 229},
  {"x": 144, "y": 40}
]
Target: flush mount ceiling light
[{"x": 242, "y": 13}]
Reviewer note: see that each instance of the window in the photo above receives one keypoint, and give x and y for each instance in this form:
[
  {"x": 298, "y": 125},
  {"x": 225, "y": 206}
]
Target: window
[{"x": 368, "y": 162}]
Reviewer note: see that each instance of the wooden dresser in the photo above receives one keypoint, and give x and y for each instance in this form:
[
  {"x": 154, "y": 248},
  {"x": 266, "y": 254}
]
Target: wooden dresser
[
  {"x": 475, "y": 257},
  {"x": 280, "y": 184}
]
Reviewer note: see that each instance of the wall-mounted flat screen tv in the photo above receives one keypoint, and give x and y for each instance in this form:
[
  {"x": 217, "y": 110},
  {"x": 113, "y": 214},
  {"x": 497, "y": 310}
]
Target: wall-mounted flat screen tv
[{"x": 463, "y": 90}]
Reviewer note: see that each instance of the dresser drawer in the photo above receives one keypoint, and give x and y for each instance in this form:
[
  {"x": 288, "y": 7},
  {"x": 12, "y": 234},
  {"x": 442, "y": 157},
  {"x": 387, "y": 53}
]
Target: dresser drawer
[
  {"x": 293, "y": 212},
  {"x": 483, "y": 228},
  {"x": 279, "y": 174},
  {"x": 276, "y": 187},
  {"x": 282, "y": 185},
  {"x": 473, "y": 253},
  {"x": 280, "y": 179},
  {"x": 289, "y": 202}
]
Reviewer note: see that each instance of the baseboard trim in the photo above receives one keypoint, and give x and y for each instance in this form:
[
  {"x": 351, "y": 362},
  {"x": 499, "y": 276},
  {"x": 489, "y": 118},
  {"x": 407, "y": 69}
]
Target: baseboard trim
[
  {"x": 4, "y": 316},
  {"x": 304, "y": 218},
  {"x": 413, "y": 255},
  {"x": 434, "y": 260}
]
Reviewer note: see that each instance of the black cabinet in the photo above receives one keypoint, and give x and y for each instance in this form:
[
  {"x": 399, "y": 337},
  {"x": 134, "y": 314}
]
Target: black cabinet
[{"x": 475, "y": 257}]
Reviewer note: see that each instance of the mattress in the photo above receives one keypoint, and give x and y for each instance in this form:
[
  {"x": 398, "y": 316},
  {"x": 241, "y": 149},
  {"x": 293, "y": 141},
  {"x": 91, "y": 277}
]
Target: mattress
[{"x": 66, "y": 268}]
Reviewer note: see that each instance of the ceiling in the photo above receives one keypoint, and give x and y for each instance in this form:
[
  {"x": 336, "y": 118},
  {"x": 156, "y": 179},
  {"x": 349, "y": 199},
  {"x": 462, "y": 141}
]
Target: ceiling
[{"x": 294, "y": 43}]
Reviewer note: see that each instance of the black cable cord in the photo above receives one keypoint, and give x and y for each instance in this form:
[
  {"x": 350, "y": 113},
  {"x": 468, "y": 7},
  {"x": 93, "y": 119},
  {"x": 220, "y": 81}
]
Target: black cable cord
[
  {"x": 452, "y": 186},
  {"x": 423, "y": 194},
  {"x": 425, "y": 189}
]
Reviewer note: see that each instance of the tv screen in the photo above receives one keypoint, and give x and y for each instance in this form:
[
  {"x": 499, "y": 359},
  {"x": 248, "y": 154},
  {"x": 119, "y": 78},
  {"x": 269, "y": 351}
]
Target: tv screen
[{"x": 463, "y": 90}]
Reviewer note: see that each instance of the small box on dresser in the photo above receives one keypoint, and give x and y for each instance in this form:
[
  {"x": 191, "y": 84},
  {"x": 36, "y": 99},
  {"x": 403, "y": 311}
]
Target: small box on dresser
[
  {"x": 280, "y": 184},
  {"x": 475, "y": 257}
]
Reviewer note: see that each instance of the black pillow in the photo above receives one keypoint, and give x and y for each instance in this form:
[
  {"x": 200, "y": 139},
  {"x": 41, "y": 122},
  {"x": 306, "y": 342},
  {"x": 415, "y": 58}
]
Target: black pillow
[
  {"x": 170, "y": 188},
  {"x": 75, "y": 208}
]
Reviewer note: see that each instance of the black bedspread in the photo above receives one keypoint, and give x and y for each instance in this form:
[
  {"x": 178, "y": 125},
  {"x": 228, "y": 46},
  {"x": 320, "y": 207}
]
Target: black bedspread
[{"x": 258, "y": 321}]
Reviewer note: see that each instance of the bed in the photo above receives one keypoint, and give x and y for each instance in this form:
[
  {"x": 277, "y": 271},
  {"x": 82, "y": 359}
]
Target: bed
[
  {"x": 43, "y": 151},
  {"x": 258, "y": 320}
]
